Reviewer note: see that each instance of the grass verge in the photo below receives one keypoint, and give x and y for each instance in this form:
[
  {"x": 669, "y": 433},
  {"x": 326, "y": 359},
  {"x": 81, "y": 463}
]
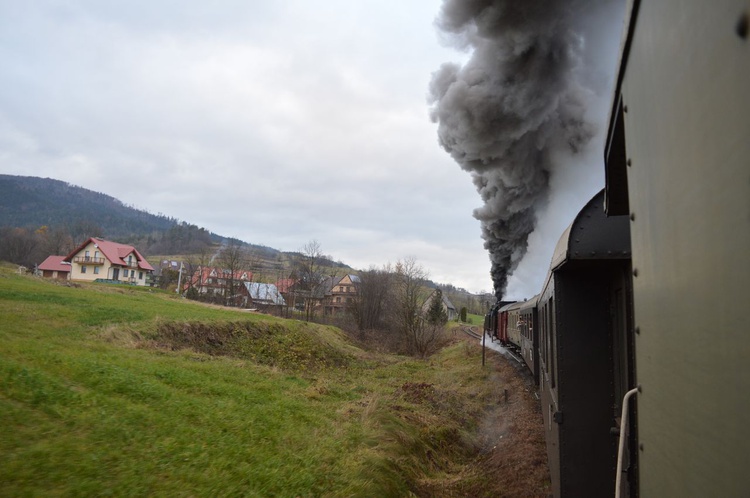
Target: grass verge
[{"x": 121, "y": 391}]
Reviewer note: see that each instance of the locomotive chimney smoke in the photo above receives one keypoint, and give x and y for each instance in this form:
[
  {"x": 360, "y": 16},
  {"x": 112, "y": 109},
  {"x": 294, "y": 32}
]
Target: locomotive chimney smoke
[{"x": 510, "y": 111}]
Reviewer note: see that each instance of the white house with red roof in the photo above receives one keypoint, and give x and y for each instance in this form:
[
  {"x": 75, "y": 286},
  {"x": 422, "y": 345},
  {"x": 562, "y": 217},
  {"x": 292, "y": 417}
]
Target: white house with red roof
[
  {"x": 54, "y": 267},
  {"x": 102, "y": 259}
]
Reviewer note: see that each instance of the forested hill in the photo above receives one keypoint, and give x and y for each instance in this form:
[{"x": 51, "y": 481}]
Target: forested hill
[
  {"x": 31, "y": 202},
  {"x": 65, "y": 215}
]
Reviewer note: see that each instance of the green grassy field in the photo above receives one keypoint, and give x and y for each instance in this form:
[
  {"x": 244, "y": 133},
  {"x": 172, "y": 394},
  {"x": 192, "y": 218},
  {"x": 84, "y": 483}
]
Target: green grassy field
[{"x": 115, "y": 390}]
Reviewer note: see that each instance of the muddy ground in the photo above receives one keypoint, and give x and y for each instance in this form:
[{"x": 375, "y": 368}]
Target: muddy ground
[{"x": 512, "y": 461}]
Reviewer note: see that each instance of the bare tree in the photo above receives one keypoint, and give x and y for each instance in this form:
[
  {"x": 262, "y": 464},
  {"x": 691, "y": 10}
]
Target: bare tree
[
  {"x": 192, "y": 268},
  {"x": 254, "y": 262},
  {"x": 409, "y": 295},
  {"x": 232, "y": 259},
  {"x": 58, "y": 242},
  {"x": 370, "y": 304},
  {"x": 308, "y": 268}
]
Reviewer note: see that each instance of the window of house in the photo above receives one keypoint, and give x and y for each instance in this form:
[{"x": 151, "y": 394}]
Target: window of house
[
  {"x": 125, "y": 273},
  {"x": 83, "y": 269},
  {"x": 96, "y": 270},
  {"x": 338, "y": 299},
  {"x": 140, "y": 275}
]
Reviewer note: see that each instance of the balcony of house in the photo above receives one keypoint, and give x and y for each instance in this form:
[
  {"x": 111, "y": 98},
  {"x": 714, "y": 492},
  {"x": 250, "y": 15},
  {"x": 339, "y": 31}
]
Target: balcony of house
[{"x": 88, "y": 260}]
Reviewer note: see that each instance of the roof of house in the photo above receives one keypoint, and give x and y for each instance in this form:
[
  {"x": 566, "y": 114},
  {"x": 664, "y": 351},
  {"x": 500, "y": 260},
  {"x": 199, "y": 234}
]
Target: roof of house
[
  {"x": 54, "y": 263},
  {"x": 114, "y": 252},
  {"x": 447, "y": 302},
  {"x": 352, "y": 278},
  {"x": 325, "y": 286},
  {"x": 204, "y": 272},
  {"x": 285, "y": 284},
  {"x": 264, "y": 293}
]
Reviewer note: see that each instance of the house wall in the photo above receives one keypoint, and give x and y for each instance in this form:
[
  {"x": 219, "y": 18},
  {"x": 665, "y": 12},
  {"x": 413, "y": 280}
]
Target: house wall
[
  {"x": 78, "y": 264},
  {"x": 342, "y": 295},
  {"x": 60, "y": 275}
]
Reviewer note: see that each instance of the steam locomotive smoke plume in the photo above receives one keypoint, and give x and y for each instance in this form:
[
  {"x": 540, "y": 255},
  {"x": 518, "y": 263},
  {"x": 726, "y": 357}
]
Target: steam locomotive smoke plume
[{"x": 510, "y": 110}]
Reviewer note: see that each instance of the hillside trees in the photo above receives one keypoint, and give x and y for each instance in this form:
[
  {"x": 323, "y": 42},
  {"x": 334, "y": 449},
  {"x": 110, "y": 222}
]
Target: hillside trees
[
  {"x": 30, "y": 202},
  {"x": 20, "y": 246},
  {"x": 57, "y": 242},
  {"x": 82, "y": 229},
  {"x": 182, "y": 238}
]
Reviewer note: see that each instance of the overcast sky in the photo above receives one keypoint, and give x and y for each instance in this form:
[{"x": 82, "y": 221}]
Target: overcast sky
[{"x": 272, "y": 121}]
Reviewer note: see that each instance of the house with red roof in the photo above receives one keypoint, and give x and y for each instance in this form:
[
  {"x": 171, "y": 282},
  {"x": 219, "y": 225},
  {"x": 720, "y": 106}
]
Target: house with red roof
[
  {"x": 214, "y": 281},
  {"x": 54, "y": 267},
  {"x": 101, "y": 259}
]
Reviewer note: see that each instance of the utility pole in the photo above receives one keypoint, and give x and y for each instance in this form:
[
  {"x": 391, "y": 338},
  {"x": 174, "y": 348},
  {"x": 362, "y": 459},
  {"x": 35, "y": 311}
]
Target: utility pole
[{"x": 179, "y": 279}]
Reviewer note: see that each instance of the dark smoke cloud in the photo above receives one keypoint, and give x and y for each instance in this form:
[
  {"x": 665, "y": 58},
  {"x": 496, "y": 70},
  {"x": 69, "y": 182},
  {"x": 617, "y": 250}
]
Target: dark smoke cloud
[{"x": 510, "y": 110}]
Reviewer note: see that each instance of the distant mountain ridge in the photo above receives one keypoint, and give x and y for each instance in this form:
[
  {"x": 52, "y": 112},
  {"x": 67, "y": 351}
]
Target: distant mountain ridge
[{"x": 32, "y": 202}]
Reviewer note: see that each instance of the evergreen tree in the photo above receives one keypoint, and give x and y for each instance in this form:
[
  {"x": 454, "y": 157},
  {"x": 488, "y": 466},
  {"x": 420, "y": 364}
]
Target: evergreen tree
[{"x": 436, "y": 314}]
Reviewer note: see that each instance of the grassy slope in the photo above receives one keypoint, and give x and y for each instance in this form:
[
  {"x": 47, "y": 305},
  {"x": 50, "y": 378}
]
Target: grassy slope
[{"x": 100, "y": 393}]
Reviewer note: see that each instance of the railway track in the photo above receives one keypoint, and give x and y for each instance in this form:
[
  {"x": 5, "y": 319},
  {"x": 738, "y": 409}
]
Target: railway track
[
  {"x": 471, "y": 332},
  {"x": 476, "y": 335}
]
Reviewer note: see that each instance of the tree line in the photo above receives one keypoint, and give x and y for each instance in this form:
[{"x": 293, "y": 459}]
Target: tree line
[
  {"x": 387, "y": 310},
  {"x": 29, "y": 247}
]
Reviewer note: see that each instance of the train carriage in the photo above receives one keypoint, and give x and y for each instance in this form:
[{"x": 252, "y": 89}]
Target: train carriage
[
  {"x": 501, "y": 333},
  {"x": 583, "y": 315},
  {"x": 529, "y": 333},
  {"x": 678, "y": 181},
  {"x": 678, "y": 163},
  {"x": 513, "y": 331}
]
